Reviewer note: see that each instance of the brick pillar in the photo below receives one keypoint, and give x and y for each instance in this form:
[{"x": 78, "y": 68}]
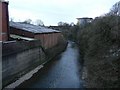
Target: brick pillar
[{"x": 4, "y": 21}]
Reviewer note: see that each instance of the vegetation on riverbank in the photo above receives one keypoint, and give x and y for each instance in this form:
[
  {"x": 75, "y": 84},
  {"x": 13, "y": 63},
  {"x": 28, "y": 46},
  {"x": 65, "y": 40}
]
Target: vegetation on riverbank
[{"x": 99, "y": 44}]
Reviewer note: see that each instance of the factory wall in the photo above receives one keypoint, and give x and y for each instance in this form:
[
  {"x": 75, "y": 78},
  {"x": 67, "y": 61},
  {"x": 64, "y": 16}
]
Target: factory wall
[{"x": 48, "y": 40}]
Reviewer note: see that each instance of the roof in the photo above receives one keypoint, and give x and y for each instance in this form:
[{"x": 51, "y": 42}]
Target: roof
[
  {"x": 84, "y": 18},
  {"x": 32, "y": 28},
  {"x": 21, "y": 37}
]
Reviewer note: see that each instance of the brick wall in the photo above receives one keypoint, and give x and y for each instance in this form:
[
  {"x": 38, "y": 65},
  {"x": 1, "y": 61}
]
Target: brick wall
[
  {"x": 4, "y": 21},
  {"x": 48, "y": 40}
]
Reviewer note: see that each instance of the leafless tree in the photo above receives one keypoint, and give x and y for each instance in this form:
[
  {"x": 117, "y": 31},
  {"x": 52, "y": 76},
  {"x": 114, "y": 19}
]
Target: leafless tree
[
  {"x": 28, "y": 21},
  {"x": 39, "y": 22},
  {"x": 115, "y": 10}
]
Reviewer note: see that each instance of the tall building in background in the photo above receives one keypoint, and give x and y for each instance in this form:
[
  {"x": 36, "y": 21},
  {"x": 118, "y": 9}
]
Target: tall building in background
[
  {"x": 84, "y": 20},
  {"x": 4, "y": 21}
]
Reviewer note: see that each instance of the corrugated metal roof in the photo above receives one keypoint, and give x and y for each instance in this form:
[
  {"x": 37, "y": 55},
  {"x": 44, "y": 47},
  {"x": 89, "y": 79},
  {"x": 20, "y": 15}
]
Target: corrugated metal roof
[{"x": 32, "y": 28}]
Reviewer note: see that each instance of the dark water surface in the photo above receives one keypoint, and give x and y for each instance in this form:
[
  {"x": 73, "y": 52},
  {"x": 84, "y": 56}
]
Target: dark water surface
[{"x": 62, "y": 72}]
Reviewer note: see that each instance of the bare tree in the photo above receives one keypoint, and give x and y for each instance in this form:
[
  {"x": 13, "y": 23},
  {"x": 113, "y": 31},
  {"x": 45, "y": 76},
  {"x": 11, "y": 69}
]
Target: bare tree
[
  {"x": 28, "y": 21},
  {"x": 12, "y": 19},
  {"x": 39, "y": 22},
  {"x": 72, "y": 24},
  {"x": 63, "y": 24},
  {"x": 115, "y": 10},
  {"x": 60, "y": 23}
]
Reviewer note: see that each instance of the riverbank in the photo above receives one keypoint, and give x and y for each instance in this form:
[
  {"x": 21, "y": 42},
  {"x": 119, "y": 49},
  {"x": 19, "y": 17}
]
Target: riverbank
[{"x": 99, "y": 44}]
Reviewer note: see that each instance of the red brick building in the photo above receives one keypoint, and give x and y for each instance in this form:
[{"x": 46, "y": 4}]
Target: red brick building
[{"x": 4, "y": 21}]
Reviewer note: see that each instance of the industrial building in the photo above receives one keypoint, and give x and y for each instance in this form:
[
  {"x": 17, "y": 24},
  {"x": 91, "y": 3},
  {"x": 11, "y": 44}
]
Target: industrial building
[
  {"x": 84, "y": 20},
  {"x": 48, "y": 37},
  {"x": 24, "y": 31}
]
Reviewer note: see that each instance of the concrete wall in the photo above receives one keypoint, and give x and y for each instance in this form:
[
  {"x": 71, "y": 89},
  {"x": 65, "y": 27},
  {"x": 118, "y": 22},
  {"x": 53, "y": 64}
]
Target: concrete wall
[
  {"x": 5, "y": 19},
  {"x": 21, "y": 57}
]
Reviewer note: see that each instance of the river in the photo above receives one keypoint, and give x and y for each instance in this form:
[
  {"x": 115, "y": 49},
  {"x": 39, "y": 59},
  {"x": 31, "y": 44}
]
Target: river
[{"x": 64, "y": 71}]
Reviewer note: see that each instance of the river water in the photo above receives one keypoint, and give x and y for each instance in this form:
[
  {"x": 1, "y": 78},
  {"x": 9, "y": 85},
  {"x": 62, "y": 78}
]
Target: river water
[{"x": 62, "y": 72}]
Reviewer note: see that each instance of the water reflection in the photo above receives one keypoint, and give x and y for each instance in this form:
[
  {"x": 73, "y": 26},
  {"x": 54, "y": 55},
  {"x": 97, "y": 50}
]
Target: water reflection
[{"x": 62, "y": 72}]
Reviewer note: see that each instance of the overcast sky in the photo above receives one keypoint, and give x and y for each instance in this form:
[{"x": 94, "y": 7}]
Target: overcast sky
[{"x": 53, "y": 11}]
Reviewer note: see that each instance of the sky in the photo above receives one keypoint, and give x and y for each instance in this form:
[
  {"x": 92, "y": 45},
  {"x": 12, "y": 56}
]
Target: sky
[{"x": 53, "y": 11}]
